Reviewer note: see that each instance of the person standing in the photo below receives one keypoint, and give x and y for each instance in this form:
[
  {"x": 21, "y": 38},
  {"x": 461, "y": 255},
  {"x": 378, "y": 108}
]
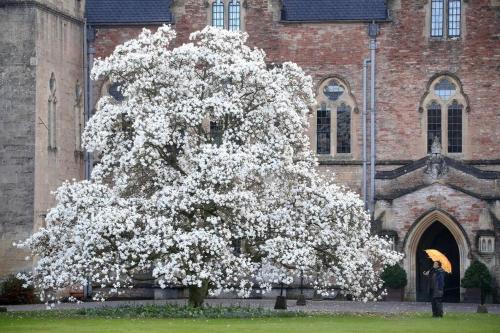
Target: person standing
[{"x": 436, "y": 275}]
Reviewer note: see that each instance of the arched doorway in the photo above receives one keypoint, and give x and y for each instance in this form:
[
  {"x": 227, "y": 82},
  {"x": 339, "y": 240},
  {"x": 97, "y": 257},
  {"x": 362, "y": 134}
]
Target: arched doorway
[
  {"x": 412, "y": 248},
  {"x": 438, "y": 237}
]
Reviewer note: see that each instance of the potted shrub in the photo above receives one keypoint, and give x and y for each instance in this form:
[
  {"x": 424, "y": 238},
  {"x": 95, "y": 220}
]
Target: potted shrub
[
  {"x": 395, "y": 281},
  {"x": 478, "y": 276},
  {"x": 281, "y": 300}
]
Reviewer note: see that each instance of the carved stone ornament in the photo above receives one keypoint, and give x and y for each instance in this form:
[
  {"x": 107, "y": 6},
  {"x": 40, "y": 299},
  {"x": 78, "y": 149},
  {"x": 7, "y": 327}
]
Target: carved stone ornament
[{"x": 436, "y": 165}]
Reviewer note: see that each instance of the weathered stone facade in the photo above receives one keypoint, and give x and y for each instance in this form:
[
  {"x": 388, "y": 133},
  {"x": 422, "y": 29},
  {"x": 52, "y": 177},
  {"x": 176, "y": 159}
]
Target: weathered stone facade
[
  {"x": 41, "y": 67},
  {"x": 465, "y": 198}
]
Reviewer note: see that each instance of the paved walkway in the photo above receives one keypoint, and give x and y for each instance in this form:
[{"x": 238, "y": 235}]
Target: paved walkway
[{"x": 312, "y": 306}]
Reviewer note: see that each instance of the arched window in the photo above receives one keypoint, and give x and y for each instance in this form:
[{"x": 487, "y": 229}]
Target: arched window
[
  {"x": 234, "y": 15},
  {"x": 334, "y": 118},
  {"x": 52, "y": 115},
  {"x": 433, "y": 124},
  {"x": 333, "y": 90},
  {"x": 114, "y": 90},
  {"x": 343, "y": 129},
  {"x": 78, "y": 114},
  {"x": 455, "y": 127},
  {"x": 218, "y": 13},
  {"x": 216, "y": 131},
  {"x": 445, "y": 103},
  {"x": 444, "y": 89},
  {"x": 323, "y": 130},
  {"x": 449, "y": 11}
]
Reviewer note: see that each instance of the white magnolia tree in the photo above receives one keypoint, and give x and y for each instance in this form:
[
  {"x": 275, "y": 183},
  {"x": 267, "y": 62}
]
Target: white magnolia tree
[{"x": 207, "y": 150}]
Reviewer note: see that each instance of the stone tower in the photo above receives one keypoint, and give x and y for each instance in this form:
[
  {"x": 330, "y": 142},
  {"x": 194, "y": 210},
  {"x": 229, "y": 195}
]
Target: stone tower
[{"x": 41, "y": 112}]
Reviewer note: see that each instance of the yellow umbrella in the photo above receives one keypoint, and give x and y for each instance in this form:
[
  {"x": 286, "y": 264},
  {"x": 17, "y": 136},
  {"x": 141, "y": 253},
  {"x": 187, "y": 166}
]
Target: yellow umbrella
[{"x": 435, "y": 255}]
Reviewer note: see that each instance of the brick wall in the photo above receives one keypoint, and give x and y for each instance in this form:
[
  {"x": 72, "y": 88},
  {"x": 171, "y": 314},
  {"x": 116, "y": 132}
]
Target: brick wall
[{"x": 407, "y": 58}]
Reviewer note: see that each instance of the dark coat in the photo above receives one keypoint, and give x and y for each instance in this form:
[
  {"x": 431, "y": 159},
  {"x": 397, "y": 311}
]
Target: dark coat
[{"x": 437, "y": 282}]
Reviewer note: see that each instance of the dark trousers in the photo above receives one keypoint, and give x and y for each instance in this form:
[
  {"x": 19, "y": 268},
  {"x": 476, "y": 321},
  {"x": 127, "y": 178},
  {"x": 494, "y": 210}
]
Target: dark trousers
[{"x": 437, "y": 306}]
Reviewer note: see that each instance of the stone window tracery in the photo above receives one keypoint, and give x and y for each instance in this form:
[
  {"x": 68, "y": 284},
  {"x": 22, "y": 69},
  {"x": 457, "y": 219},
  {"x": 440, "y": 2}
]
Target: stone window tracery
[
  {"x": 333, "y": 90},
  {"x": 333, "y": 118},
  {"x": 114, "y": 90},
  {"x": 486, "y": 244},
  {"x": 444, "y": 89},
  {"x": 443, "y": 105}
]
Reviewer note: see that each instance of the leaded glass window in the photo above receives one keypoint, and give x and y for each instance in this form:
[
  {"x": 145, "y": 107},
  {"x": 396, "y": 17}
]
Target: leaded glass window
[
  {"x": 216, "y": 130},
  {"x": 454, "y": 13},
  {"x": 323, "y": 130},
  {"x": 333, "y": 90},
  {"x": 343, "y": 129},
  {"x": 234, "y": 15},
  {"x": 455, "y": 128},
  {"x": 433, "y": 124},
  {"x": 448, "y": 12},
  {"x": 445, "y": 89},
  {"x": 447, "y": 110},
  {"x": 114, "y": 91},
  {"x": 218, "y": 14},
  {"x": 237, "y": 246},
  {"x": 437, "y": 22}
]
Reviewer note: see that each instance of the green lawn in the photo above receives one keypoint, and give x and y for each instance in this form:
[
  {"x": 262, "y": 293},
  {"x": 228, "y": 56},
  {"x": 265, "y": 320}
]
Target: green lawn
[{"x": 453, "y": 323}]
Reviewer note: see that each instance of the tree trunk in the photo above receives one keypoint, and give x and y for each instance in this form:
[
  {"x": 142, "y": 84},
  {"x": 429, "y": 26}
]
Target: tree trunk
[
  {"x": 198, "y": 294},
  {"x": 483, "y": 296}
]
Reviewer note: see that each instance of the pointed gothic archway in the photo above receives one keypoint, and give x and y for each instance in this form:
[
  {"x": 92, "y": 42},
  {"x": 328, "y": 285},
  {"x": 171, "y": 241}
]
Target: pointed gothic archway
[
  {"x": 425, "y": 232},
  {"x": 438, "y": 237}
]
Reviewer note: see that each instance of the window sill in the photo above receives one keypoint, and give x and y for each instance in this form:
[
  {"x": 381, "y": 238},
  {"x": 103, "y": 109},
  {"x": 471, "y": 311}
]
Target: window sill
[
  {"x": 444, "y": 39},
  {"x": 455, "y": 156},
  {"x": 336, "y": 157}
]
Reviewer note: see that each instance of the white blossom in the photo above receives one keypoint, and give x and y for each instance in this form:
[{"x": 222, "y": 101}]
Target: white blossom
[{"x": 170, "y": 198}]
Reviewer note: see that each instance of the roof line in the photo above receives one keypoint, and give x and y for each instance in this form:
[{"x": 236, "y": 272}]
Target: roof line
[
  {"x": 43, "y": 6},
  {"x": 105, "y": 24},
  {"x": 457, "y": 165},
  {"x": 396, "y": 194},
  {"x": 387, "y": 20}
]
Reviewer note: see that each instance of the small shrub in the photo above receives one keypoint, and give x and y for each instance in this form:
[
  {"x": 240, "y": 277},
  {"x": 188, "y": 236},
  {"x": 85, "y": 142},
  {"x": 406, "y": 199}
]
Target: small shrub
[
  {"x": 478, "y": 276},
  {"x": 13, "y": 292},
  {"x": 394, "y": 277}
]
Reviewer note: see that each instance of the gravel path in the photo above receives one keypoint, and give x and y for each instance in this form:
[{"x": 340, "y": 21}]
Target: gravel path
[{"x": 312, "y": 306}]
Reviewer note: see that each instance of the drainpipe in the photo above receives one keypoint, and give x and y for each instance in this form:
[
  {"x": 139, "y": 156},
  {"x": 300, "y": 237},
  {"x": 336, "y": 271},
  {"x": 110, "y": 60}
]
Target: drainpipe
[
  {"x": 88, "y": 59},
  {"x": 364, "y": 189},
  {"x": 372, "y": 32}
]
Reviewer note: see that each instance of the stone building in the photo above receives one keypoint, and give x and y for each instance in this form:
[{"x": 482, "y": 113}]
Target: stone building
[
  {"x": 436, "y": 95},
  {"x": 41, "y": 109}
]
